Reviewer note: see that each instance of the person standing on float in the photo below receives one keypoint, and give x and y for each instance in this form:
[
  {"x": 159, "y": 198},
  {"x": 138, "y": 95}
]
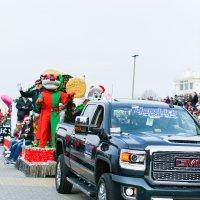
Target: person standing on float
[{"x": 34, "y": 93}]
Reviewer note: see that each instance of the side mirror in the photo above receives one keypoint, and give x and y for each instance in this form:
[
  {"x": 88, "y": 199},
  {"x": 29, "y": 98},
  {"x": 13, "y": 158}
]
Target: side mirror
[{"x": 81, "y": 124}]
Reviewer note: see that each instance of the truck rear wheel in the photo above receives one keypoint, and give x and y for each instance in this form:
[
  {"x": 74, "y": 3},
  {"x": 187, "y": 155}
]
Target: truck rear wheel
[
  {"x": 62, "y": 172},
  {"x": 105, "y": 190}
]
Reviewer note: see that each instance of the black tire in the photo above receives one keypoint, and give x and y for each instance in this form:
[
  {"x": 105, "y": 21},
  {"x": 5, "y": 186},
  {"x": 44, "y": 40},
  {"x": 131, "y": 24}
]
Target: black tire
[
  {"x": 62, "y": 172},
  {"x": 109, "y": 189}
]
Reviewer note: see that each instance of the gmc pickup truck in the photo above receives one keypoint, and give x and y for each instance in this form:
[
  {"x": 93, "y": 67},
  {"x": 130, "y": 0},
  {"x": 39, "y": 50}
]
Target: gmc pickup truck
[{"x": 133, "y": 150}]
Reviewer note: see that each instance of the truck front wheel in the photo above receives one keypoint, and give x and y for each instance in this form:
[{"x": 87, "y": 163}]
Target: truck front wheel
[
  {"x": 105, "y": 190},
  {"x": 62, "y": 172}
]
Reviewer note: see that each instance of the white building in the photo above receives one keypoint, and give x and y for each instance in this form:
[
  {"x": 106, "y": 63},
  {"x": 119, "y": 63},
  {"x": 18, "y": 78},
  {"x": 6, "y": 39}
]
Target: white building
[{"x": 187, "y": 83}]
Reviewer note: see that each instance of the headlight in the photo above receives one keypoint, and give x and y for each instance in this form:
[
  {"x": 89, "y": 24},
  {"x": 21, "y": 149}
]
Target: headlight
[{"x": 133, "y": 160}]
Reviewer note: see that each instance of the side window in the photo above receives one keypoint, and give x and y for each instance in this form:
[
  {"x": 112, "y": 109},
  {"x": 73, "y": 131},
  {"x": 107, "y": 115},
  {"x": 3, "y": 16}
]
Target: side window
[
  {"x": 89, "y": 111},
  {"x": 98, "y": 117}
]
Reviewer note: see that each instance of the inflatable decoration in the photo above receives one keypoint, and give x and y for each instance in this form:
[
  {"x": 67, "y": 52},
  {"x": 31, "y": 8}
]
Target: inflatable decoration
[{"x": 7, "y": 100}]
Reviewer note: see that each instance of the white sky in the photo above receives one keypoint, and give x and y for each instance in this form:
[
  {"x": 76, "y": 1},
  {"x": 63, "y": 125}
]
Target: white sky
[{"x": 97, "y": 39}]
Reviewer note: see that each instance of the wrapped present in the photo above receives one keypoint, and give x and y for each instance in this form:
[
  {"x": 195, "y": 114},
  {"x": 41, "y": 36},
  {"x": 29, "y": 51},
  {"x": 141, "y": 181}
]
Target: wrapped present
[{"x": 33, "y": 154}]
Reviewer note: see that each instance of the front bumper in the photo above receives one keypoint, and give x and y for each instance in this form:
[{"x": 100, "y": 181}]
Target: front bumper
[{"x": 148, "y": 192}]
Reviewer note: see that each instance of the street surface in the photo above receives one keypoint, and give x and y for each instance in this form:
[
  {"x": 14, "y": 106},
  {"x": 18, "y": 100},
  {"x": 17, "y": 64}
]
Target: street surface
[{"x": 14, "y": 185}]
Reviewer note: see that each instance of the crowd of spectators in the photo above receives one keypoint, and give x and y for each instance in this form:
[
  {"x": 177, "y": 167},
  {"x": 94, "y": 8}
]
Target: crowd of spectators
[{"x": 189, "y": 102}]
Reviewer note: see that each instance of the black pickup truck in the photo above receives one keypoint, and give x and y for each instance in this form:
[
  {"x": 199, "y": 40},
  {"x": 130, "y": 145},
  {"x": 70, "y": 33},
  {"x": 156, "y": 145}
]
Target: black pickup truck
[{"x": 134, "y": 150}]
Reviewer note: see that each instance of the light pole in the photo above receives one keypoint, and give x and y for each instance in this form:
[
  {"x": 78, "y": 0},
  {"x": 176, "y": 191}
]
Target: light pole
[{"x": 133, "y": 83}]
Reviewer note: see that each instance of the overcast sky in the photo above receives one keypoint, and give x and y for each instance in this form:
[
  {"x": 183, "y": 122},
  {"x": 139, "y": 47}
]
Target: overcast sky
[{"x": 96, "y": 39}]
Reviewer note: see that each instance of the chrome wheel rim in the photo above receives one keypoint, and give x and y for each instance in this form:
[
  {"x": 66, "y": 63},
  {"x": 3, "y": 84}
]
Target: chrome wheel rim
[
  {"x": 58, "y": 174},
  {"x": 102, "y": 192}
]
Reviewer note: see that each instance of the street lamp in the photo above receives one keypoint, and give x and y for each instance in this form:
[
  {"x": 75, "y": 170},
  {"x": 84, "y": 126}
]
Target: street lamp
[{"x": 133, "y": 83}]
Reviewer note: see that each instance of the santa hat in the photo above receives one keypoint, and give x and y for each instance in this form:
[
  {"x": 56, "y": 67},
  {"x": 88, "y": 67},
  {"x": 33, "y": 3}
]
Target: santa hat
[{"x": 102, "y": 88}]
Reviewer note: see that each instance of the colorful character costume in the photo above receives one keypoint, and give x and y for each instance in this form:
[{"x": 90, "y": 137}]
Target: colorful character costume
[
  {"x": 48, "y": 102},
  {"x": 95, "y": 93},
  {"x": 49, "y": 116}
]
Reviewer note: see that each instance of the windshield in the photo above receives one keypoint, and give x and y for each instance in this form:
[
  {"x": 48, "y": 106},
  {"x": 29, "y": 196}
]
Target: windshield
[{"x": 168, "y": 121}]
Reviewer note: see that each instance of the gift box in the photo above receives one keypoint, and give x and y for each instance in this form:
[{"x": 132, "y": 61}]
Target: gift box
[{"x": 32, "y": 154}]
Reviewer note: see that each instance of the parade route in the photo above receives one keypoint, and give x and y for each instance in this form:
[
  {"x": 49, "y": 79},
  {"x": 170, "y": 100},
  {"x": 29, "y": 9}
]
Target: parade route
[{"x": 14, "y": 185}]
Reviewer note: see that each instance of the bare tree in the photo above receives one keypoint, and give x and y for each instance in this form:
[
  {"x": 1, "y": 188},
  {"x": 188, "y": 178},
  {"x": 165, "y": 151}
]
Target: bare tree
[{"x": 150, "y": 95}]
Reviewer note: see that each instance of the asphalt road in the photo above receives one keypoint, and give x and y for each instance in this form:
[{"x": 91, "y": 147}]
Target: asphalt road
[{"x": 14, "y": 185}]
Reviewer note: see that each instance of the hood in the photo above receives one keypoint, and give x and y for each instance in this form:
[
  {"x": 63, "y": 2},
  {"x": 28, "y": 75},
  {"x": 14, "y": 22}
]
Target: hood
[{"x": 141, "y": 140}]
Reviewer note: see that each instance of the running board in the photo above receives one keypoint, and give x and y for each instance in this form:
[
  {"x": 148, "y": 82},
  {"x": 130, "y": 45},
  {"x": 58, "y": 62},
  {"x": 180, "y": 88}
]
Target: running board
[{"x": 82, "y": 186}]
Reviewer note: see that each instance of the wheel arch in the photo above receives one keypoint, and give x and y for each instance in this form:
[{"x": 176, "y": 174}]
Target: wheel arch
[
  {"x": 59, "y": 148},
  {"x": 102, "y": 166}
]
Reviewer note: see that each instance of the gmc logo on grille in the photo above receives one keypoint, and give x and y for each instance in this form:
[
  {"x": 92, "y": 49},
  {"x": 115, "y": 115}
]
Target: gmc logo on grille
[{"x": 188, "y": 163}]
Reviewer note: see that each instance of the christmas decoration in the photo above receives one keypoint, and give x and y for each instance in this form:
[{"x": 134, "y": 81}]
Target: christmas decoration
[
  {"x": 35, "y": 169},
  {"x": 6, "y": 143},
  {"x": 77, "y": 86},
  {"x": 34, "y": 154}
]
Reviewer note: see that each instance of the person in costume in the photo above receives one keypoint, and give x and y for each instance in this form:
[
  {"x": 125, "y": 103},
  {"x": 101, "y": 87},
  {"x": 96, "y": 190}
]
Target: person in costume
[
  {"x": 48, "y": 102},
  {"x": 96, "y": 92}
]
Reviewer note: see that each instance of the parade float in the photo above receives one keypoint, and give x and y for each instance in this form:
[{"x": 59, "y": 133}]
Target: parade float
[{"x": 58, "y": 88}]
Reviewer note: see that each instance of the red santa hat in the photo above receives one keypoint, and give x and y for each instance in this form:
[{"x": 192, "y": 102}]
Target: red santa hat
[{"x": 102, "y": 88}]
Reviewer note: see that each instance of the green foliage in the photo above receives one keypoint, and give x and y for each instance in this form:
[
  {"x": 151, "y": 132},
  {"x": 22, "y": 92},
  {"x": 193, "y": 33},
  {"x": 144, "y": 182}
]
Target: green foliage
[{"x": 65, "y": 79}]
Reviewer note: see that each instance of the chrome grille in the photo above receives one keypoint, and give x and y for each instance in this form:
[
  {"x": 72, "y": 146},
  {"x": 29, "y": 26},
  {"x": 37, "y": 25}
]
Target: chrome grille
[{"x": 164, "y": 167}]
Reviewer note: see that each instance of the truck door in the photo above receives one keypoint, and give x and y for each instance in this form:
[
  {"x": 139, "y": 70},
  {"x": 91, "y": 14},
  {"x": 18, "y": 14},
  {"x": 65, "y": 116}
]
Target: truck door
[
  {"x": 78, "y": 159},
  {"x": 92, "y": 142}
]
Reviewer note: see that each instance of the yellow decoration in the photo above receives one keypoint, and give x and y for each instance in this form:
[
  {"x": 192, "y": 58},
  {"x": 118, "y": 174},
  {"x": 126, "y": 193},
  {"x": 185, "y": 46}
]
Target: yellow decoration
[{"x": 76, "y": 85}]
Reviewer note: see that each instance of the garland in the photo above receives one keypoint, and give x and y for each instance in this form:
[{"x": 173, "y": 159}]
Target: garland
[{"x": 34, "y": 169}]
